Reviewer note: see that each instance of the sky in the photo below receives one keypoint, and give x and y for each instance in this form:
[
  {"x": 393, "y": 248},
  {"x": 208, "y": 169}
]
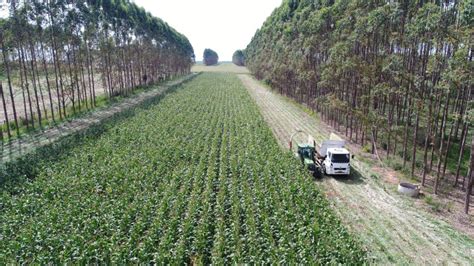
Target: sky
[{"x": 221, "y": 25}]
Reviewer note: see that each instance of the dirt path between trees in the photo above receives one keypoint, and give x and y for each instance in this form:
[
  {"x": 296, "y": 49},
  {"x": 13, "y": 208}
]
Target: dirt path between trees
[
  {"x": 391, "y": 226},
  {"x": 28, "y": 143}
]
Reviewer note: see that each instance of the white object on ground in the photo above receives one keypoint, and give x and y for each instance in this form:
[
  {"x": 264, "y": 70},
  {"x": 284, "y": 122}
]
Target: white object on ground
[{"x": 408, "y": 189}]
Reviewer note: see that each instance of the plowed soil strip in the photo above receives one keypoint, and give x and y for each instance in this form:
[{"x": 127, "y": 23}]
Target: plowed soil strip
[{"x": 391, "y": 227}]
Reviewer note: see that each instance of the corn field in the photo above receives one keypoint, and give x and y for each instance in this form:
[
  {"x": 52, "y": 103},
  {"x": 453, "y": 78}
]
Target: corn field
[{"x": 194, "y": 177}]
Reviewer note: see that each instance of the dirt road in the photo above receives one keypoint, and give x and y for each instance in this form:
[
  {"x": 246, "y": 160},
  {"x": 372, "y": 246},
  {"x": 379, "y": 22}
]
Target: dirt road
[{"x": 391, "y": 226}]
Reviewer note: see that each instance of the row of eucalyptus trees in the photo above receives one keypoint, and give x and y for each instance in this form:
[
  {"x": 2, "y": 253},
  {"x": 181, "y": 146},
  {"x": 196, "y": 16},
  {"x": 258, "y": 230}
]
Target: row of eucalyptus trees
[
  {"x": 393, "y": 75},
  {"x": 59, "y": 56}
]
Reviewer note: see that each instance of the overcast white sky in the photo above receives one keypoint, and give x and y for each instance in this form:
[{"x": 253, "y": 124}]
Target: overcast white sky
[{"x": 222, "y": 25}]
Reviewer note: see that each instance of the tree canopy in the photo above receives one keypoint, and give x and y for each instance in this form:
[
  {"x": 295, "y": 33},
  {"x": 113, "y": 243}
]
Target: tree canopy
[
  {"x": 210, "y": 57},
  {"x": 239, "y": 58}
]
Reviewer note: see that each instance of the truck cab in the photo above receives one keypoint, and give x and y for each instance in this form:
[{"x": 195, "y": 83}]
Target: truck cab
[
  {"x": 337, "y": 162},
  {"x": 335, "y": 158}
]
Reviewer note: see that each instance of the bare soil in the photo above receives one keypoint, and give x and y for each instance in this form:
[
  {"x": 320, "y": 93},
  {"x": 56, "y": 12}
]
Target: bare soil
[{"x": 394, "y": 228}]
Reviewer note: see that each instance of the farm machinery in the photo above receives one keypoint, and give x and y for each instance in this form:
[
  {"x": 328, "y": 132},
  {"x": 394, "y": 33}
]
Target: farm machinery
[{"x": 331, "y": 159}]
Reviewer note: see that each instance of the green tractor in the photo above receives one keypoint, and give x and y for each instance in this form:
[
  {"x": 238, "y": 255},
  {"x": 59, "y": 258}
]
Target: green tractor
[{"x": 307, "y": 153}]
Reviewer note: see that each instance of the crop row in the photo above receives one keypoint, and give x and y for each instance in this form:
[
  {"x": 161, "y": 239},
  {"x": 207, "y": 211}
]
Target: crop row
[{"x": 195, "y": 178}]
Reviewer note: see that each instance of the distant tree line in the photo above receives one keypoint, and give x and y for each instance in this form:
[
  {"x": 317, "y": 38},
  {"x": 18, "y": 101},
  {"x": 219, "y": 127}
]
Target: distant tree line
[
  {"x": 210, "y": 57},
  {"x": 395, "y": 75},
  {"x": 53, "y": 51},
  {"x": 239, "y": 58}
]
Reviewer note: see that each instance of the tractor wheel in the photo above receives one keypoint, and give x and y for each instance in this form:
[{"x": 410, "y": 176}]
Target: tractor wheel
[{"x": 317, "y": 174}]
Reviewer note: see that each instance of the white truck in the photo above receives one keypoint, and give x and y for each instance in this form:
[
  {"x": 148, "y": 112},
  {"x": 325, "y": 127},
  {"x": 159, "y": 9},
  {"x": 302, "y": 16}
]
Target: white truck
[{"x": 333, "y": 158}]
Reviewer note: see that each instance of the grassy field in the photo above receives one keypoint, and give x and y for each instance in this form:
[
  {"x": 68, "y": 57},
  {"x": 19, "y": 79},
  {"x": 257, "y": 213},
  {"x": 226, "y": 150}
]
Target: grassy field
[
  {"x": 193, "y": 177},
  {"x": 224, "y": 67}
]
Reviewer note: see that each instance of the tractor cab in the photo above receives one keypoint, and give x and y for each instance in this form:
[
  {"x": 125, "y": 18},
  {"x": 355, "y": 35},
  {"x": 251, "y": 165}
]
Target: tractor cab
[{"x": 306, "y": 153}]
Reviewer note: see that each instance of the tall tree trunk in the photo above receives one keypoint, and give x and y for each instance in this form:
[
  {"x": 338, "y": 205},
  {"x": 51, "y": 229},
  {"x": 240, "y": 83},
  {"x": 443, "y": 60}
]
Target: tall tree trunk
[
  {"x": 83, "y": 81},
  {"x": 71, "y": 82},
  {"x": 441, "y": 146},
  {"x": 448, "y": 147},
  {"x": 25, "y": 79},
  {"x": 61, "y": 80},
  {"x": 22, "y": 85},
  {"x": 435, "y": 129},
  {"x": 57, "y": 67},
  {"x": 415, "y": 136},
  {"x": 91, "y": 64},
  {"x": 461, "y": 151},
  {"x": 56, "y": 76},
  {"x": 76, "y": 79},
  {"x": 470, "y": 180},
  {"x": 428, "y": 140},
  {"x": 4, "y": 103},
  {"x": 36, "y": 86},
  {"x": 405, "y": 135},
  {"x": 48, "y": 83},
  {"x": 10, "y": 87}
]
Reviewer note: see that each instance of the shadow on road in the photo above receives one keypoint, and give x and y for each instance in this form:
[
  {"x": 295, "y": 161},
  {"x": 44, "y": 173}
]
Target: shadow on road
[{"x": 355, "y": 178}]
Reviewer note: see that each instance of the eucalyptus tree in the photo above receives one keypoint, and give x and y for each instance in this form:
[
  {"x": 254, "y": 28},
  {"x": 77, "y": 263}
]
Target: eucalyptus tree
[
  {"x": 238, "y": 58},
  {"x": 5, "y": 37},
  {"x": 55, "y": 50},
  {"x": 210, "y": 57},
  {"x": 391, "y": 75}
]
